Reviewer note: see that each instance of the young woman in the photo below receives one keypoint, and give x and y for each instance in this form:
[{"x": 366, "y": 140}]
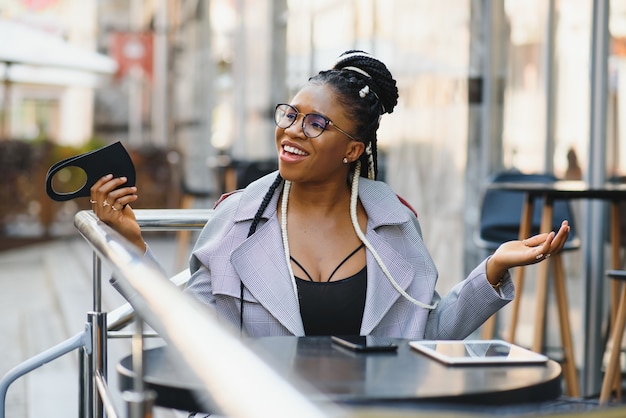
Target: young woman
[{"x": 320, "y": 247}]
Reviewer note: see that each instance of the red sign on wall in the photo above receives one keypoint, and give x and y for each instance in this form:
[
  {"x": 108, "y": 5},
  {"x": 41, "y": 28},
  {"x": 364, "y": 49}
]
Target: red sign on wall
[{"x": 132, "y": 49}]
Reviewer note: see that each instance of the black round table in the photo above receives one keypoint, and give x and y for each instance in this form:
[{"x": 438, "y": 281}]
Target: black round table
[{"x": 343, "y": 376}]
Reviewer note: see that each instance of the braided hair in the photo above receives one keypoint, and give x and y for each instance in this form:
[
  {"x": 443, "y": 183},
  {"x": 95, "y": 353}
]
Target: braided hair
[
  {"x": 252, "y": 230},
  {"x": 367, "y": 90}
]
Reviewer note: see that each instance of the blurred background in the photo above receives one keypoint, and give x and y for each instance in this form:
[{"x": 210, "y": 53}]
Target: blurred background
[{"x": 189, "y": 87}]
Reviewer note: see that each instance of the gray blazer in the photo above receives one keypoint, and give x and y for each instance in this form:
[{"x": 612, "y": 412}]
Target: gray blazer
[{"x": 224, "y": 256}]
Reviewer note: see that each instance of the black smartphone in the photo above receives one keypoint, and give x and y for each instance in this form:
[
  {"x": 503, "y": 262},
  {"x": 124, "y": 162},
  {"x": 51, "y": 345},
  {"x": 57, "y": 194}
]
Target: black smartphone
[{"x": 365, "y": 343}]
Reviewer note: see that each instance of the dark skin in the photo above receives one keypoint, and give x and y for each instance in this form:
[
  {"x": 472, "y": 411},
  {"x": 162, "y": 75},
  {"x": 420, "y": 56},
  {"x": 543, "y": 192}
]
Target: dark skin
[
  {"x": 117, "y": 212},
  {"x": 319, "y": 227}
]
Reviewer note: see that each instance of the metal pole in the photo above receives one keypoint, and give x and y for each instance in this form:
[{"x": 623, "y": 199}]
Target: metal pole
[
  {"x": 97, "y": 359},
  {"x": 97, "y": 283},
  {"x": 240, "y": 78},
  {"x": 278, "y": 64},
  {"x": 135, "y": 119},
  {"x": 105, "y": 395},
  {"x": 593, "y": 246},
  {"x": 550, "y": 89},
  {"x": 139, "y": 401},
  {"x": 84, "y": 393},
  {"x": 486, "y": 81},
  {"x": 159, "y": 89}
]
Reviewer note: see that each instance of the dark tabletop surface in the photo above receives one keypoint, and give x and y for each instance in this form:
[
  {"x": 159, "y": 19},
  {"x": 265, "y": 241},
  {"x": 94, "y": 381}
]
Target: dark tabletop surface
[
  {"x": 566, "y": 189},
  {"x": 344, "y": 376}
]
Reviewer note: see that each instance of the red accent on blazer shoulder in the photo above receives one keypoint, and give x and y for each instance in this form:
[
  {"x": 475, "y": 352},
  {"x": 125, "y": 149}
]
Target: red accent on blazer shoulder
[
  {"x": 224, "y": 196},
  {"x": 407, "y": 204}
]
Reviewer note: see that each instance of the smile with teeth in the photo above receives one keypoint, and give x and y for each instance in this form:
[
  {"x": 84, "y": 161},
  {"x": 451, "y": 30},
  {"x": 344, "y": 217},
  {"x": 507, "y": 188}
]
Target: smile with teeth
[{"x": 294, "y": 150}]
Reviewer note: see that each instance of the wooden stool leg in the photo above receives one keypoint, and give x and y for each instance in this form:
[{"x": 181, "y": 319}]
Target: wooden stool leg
[
  {"x": 488, "y": 331},
  {"x": 616, "y": 289},
  {"x": 613, "y": 365},
  {"x": 616, "y": 285},
  {"x": 489, "y": 328},
  {"x": 540, "y": 306},
  {"x": 615, "y": 258},
  {"x": 617, "y": 384},
  {"x": 524, "y": 232},
  {"x": 519, "y": 286},
  {"x": 571, "y": 377},
  {"x": 542, "y": 281}
]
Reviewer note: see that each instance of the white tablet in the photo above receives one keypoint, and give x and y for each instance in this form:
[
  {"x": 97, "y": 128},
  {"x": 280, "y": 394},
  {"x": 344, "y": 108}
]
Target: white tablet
[{"x": 467, "y": 352}]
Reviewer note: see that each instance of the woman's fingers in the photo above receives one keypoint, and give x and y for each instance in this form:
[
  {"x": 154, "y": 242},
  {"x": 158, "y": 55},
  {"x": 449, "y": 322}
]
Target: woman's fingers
[
  {"x": 110, "y": 202},
  {"x": 560, "y": 238},
  {"x": 107, "y": 196},
  {"x": 536, "y": 240},
  {"x": 532, "y": 250},
  {"x": 550, "y": 242}
]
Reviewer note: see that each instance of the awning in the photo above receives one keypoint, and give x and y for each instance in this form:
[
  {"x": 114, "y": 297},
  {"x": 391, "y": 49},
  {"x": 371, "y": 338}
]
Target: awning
[
  {"x": 28, "y": 55},
  {"x": 31, "y": 56}
]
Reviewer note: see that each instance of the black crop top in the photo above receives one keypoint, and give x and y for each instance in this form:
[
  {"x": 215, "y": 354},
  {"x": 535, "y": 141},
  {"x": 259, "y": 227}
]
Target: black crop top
[{"x": 333, "y": 308}]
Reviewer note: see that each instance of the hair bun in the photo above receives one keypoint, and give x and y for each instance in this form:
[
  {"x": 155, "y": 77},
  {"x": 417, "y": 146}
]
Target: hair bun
[{"x": 367, "y": 66}]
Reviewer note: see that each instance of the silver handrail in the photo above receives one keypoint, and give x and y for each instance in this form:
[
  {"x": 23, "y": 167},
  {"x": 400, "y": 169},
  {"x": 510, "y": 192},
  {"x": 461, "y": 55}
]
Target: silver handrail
[
  {"x": 159, "y": 220},
  {"x": 172, "y": 219},
  {"x": 124, "y": 314},
  {"x": 191, "y": 330}
]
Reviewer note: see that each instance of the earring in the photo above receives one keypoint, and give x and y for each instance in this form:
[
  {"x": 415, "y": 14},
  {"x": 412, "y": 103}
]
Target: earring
[{"x": 345, "y": 160}]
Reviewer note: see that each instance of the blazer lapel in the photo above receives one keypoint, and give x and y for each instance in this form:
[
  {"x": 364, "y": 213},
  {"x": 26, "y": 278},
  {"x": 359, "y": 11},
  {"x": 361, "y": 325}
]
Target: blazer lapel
[
  {"x": 384, "y": 208},
  {"x": 381, "y": 294},
  {"x": 263, "y": 270},
  {"x": 260, "y": 264}
]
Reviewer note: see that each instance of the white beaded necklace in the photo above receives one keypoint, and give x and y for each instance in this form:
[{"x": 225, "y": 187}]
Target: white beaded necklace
[
  {"x": 283, "y": 227},
  {"x": 355, "y": 223}
]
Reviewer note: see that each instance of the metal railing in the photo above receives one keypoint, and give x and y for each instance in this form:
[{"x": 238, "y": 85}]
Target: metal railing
[
  {"x": 94, "y": 395},
  {"x": 182, "y": 321}
]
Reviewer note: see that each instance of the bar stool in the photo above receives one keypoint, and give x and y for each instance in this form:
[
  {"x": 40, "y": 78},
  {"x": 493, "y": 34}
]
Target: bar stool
[
  {"x": 502, "y": 215},
  {"x": 612, "y": 375}
]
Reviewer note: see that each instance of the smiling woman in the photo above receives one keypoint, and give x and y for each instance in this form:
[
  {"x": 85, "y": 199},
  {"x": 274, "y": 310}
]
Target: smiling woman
[{"x": 321, "y": 247}]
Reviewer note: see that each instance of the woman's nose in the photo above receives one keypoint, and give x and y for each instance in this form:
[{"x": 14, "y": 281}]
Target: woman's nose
[{"x": 297, "y": 127}]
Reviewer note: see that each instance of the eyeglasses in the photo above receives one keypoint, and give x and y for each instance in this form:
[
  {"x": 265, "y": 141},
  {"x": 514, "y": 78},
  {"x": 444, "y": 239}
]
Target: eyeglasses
[{"x": 312, "y": 124}]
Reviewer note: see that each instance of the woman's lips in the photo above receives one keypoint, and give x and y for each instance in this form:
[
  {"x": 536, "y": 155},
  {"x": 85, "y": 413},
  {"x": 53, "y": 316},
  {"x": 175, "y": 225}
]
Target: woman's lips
[{"x": 292, "y": 154}]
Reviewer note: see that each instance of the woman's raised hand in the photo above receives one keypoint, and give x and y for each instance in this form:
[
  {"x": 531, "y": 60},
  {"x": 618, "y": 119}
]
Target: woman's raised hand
[
  {"x": 111, "y": 205},
  {"x": 529, "y": 251}
]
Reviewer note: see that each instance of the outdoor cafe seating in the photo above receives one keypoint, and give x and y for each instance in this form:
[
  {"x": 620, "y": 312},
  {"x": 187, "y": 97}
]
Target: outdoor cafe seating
[{"x": 270, "y": 389}]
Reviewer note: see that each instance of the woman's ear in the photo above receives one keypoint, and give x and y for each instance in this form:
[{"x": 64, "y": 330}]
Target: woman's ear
[{"x": 355, "y": 149}]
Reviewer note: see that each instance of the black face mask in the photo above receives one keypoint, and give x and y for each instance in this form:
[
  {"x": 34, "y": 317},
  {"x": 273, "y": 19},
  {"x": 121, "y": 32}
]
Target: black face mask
[{"x": 112, "y": 159}]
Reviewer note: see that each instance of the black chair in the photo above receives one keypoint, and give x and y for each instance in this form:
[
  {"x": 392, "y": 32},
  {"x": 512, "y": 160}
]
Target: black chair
[
  {"x": 248, "y": 171},
  {"x": 500, "y": 219},
  {"x": 501, "y": 211}
]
